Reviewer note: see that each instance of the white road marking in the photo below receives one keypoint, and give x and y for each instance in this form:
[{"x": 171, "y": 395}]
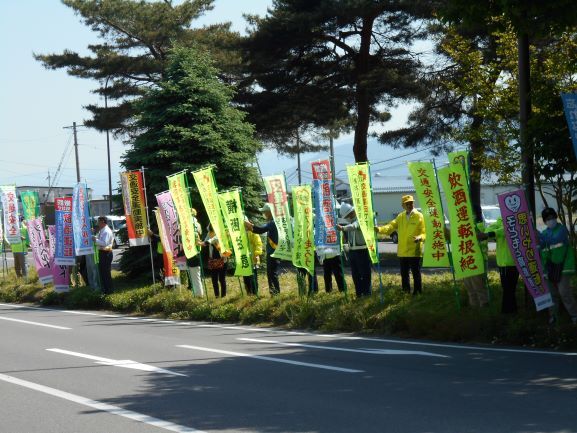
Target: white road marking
[
  {"x": 104, "y": 407},
  {"x": 342, "y": 349},
  {"x": 332, "y": 336},
  {"x": 35, "y": 323},
  {"x": 268, "y": 358},
  {"x": 125, "y": 363}
]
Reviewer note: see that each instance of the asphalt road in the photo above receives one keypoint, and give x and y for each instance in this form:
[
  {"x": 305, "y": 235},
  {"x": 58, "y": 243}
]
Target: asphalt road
[{"x": 72, "y": 371}]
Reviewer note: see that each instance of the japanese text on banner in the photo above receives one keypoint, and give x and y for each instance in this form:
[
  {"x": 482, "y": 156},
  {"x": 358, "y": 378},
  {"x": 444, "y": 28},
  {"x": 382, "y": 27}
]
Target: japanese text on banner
[
  {"x": 179, "y": 192},
  {"x": 207, "y": 189},
  {"x": 230, "y": 202},
  {"x": 40, "y": 250},
  {"x": 359, "y": 179},
  {"x": 304, "y": 244},
  {"x": 277, "y": 197},
  {"x": 325, "y": 217},
  {"x": 522, "y": 241},
  {"x": 135, "y": 208},
  {"x": 82, "y": 229},
  {"x": 171, "y": 271},
  {"x": 425, "y": 181},
  {"x": 467, "y": 256},
  {"x": 30, "y": 204},
  {"x": 11, "y": 214}
]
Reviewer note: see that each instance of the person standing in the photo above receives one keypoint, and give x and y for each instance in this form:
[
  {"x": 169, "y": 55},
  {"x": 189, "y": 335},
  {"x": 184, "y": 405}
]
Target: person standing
[
  {"x": 104, "y": 240},
  {"x": 217, "y": 263},
  {"x": 193, "y": 264},
  {"x": 271, "y": 230},
  {"x": 251, "y": 281},
  {"x": 331, "y": 262},
  {"x": 559, "y": 262},
  {"x": 508, "y": 273},
  {"x": 410, "y": 227},
  {"x": 19, "y": 251},
  {"x": 357, "y": 250}
]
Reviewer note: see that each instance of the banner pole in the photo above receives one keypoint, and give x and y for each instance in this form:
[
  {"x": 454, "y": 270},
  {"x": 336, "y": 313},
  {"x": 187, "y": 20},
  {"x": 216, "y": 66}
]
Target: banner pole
[
  {"x": 381, "y": 288},
  {"x": 148, "y": 224},
  {"x": 252, "y": 265},
  {"x": 198, "y": 250},
  {"x": 339, "y": 235},
  {"x": 451, "y": 265}
]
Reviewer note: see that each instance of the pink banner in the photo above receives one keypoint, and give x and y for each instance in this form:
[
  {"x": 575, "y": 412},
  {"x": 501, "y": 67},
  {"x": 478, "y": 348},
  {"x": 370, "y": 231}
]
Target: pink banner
[
  {"x": 522, "y": 240},
  {"x": 60, "y": 273},
  {"x": 40, "y": 250},
  {"x": 169, "y": 219}
]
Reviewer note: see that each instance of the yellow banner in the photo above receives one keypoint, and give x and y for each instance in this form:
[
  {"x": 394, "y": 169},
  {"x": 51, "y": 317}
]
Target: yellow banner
[
  {"x": 304, "y": 243},
  {"x": 178, "y": 190}
]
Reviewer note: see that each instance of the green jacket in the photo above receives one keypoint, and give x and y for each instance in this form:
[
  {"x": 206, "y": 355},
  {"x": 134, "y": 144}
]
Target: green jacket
[
  {"x": 504, "y": 257},
  {"x": 22, "y": 246}
]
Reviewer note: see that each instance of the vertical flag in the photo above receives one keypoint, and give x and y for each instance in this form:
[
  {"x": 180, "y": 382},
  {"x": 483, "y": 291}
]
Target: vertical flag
[
  {"x": 82, "y": 229},
  {"x": 435, "y": 254},
  {"x": 326, "y": 238},
  {"x": 207, "y": 189},
  {"x": 134, "y": 208},
  {"x": 170, "y": 225},
  {"x": 467, "y": 256},
  {"x": 231, "y": 205},
  {"x": 180, "y": 196},
  {"x": 460, "y": 157},
  {"x": 30, "y": 204},
  {"x": 276, "y": 195},
  {"x": 304, "y": 244},
  {"x": 570, "y": 108},
  {"x": 359, "y": 179},
  {"x": 171, "y": 271},
  {"x": 40, "y": 250},
  {"x": 11, "y": 215},
  {"x": 64, "y": 238},
  {"x": 60, "y": 273},
  {"x": 522, "y": 241}
]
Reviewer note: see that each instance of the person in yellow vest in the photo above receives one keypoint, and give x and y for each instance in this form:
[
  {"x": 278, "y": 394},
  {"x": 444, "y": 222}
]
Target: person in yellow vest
[
  {"x": 251, "y": 282},
  {"x": 19, "y": 251},
  {"x": 410, "y": 226}
]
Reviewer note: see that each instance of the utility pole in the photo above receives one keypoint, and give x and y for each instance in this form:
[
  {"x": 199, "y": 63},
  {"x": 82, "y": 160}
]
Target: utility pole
[
  {"x": 108, "y": 148},
  {"x": 75, "y": 149}
]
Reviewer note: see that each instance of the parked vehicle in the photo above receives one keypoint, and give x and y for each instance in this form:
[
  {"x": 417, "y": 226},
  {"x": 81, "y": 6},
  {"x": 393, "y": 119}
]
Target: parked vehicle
[{"x": 490, "y": 213}]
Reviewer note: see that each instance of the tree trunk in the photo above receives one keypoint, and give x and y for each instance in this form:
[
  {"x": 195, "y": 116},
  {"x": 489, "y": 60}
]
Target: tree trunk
[{"x": 362, "y": 92}]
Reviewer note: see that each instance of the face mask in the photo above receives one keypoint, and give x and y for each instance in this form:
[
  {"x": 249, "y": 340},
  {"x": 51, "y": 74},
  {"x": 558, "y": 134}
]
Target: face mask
[{"x": 551, "y": 223}]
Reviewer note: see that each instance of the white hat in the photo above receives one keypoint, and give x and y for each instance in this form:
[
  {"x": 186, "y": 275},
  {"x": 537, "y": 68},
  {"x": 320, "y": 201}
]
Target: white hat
[
  {"x": 345, "y": 209},
  {"x": 266, "y": 208}
]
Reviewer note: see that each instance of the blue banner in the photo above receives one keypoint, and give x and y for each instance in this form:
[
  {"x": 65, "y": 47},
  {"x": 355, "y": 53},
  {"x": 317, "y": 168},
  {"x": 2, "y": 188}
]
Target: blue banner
[
  {"x": 570, "y": 107},
  {"x": 325, "y": 216},
  {"x": 81, "y": 221}
]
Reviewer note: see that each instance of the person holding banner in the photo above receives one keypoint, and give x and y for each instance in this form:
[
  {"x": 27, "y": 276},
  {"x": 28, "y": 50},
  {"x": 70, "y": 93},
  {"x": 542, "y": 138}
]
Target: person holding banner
[
  {"x": 251, "y": 281},
  {"x": 271, "y": 230},
  {"x": 19, "y": 251},
  {"x": 193, "y": 264},
  {"x": 357, "y": 250},
  {"x": 104, "y": 240},
  {"x": 217, "y": 263},
  {"x": 508, "y": 273},
  {"x": 331, "y": 262},
  {"x": 410, "y": 226},
  {"x": 559, "y": 261}
]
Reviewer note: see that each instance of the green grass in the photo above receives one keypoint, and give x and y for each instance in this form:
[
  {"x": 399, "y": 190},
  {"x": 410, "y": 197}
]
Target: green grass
[{"x": 434, "y": 315}]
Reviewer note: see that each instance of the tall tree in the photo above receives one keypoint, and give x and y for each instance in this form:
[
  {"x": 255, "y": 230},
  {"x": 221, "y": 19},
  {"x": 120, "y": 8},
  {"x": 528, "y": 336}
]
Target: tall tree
[
  {"x": 136, "y": 39},
  {"x": 317, "y": 62}
]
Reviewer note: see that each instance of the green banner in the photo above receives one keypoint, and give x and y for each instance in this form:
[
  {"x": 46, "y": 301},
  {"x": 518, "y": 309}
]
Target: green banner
[
  {"x": 425, "y": 181},
  {"x": 460, "y": 157},
  {"x": 30, "y": 204},
  {"x": 181, "y": 199},
  {"x": 277, "y": 197},
  {"x": 231, "y": 205},
  {"x": 304, "y": 241},
  {"x": 467, "y": 257},
  {"x": 360, "y": 181},
  {"x": 207, "y": 189}
]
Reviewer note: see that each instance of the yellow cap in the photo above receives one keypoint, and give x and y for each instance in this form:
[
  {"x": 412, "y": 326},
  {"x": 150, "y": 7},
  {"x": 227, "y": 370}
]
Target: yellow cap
[{"x": 406, "y": 199}]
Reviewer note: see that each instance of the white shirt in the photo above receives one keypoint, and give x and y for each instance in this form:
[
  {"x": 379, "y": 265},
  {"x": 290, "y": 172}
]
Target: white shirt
[{"x": 105, "y": 239}]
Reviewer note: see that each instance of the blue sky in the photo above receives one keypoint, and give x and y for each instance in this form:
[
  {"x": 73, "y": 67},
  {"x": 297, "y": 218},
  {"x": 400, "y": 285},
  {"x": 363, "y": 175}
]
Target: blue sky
[{"x": 36, "y": 104}]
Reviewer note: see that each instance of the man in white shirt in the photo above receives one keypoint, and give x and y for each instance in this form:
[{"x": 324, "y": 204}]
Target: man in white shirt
[{"x": 104, "y": 240}]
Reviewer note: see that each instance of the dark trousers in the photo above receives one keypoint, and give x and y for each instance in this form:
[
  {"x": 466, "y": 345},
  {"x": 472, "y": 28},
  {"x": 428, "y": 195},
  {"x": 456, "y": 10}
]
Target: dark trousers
[
  {"x": 332, "y": 267},
  {"x": 509, "y": 277},
  {"x": 219, "y": 275},
  {"x": 361, "y": 269},
  {"x": 414, "y": 264},
  {"x": 272, "y": 274},
  {"x": 312, "y": 279},
  {"x": 104, "y": 269},
  {"x": 251, "y": 283}
]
